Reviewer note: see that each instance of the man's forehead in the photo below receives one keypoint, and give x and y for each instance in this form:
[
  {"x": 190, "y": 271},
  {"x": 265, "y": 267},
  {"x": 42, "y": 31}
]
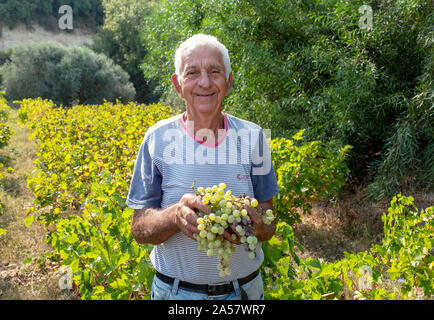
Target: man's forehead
[{"x": 203, "y": 56}]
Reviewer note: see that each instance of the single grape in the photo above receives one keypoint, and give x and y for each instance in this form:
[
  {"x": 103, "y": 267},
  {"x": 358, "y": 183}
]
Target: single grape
[
  {"x": 203, "y": 233},
  {"x": 254, "y": 203}
]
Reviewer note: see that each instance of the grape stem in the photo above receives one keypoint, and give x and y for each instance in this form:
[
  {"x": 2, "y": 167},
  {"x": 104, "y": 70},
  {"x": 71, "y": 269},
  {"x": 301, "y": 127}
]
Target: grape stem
[{"x": 194, "y": 190}]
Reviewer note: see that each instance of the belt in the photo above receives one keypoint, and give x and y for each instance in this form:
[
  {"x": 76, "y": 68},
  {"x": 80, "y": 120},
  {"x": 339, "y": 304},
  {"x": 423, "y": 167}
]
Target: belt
[{"x": 214, "y": 290}]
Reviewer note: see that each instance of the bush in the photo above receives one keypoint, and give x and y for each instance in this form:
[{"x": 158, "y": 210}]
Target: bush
[
  {"x": 305, "y": 173},
  {"x": 390, "y": 270},
  {"x": 64, "y": 75},
  {"x": 85, "y": 160}
]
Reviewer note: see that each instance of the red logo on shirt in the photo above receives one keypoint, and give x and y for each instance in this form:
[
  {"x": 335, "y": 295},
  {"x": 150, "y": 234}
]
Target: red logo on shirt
[{"x": 242, "y": 176}]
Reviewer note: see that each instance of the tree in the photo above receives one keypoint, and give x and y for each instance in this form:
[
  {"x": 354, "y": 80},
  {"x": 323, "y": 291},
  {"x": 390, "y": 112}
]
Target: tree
[
  {"x": 308, "y": 65},
  {"x": 120, "y": 40},
  {"x": 65, "y": 75},
  {"x": 45, "y": 12}
]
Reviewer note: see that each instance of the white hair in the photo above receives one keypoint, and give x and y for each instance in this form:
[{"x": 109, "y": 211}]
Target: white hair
[{"x": 199, "y": 40}]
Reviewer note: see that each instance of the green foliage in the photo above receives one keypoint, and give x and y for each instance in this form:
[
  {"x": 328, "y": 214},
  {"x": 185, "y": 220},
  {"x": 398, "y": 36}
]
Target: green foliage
[
  {"x": 5, "y": 129},
  {"x": 85, "y": 160},
  {"x": 307, "y": 65},
  {"x": 84, "y": 166},
  {"x": 106, "y": 261},
  {"x": 65, "y": 75},
  {"x": 305, "y": 173},
  {"x": 120, "y": 40},
  {"x": 405, "y": 256},
  {"x": 46, "y": 12},
  {"x": 77, "y": 144},
  {"x": 5, "y": 135},
  {"x": 406, "y": 251},
  {"x": 409, "y": 151}
]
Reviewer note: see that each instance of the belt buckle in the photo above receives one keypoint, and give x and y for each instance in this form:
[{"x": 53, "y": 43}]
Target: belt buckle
[{"x": 212, "y": 289}]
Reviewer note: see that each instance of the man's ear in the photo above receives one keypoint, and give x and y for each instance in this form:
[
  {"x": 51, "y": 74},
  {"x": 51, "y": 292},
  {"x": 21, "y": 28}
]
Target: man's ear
[{"x": 176, "y": 84}]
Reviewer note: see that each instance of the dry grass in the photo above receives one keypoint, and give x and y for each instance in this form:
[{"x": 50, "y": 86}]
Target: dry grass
[
  {"x": 350, "y": 225},
  {"x": 332, "y": 229}
]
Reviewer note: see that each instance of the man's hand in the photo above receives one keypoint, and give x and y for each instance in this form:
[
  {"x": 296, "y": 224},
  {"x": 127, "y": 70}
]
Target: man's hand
[
  {"x": 263, "y": 231},
  {"x": 185, "y": 216}
]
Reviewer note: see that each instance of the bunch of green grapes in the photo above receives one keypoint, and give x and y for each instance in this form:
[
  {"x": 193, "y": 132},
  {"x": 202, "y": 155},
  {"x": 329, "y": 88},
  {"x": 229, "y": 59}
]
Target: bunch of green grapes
[{"x": 226, "y": 210}]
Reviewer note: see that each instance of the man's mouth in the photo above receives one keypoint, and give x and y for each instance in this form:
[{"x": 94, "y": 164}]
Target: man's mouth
[{"x": 205, "y": 95}]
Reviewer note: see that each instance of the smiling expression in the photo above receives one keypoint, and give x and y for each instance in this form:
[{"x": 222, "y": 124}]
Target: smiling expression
[{"x": 203, "y": 85}]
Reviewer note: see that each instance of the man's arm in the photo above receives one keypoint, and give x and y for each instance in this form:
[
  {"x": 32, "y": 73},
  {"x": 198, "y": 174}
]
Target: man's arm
[
  {"x": 155, "y": 226},
  {"x": 152, "y": 225}
]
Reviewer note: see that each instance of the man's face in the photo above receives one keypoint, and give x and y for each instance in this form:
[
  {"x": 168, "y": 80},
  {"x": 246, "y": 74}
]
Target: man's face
[{"x": 203, "y": 85}]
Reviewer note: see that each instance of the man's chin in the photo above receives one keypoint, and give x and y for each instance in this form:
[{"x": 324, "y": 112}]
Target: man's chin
[{"x": 207, "y": 109}]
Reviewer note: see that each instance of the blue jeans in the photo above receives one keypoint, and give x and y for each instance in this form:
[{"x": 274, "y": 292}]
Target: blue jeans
[{"x": 164, "y": 291}]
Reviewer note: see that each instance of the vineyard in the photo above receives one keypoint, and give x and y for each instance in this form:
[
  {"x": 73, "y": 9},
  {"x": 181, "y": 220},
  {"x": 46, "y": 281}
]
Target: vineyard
[{"x": 85, "y": 159}]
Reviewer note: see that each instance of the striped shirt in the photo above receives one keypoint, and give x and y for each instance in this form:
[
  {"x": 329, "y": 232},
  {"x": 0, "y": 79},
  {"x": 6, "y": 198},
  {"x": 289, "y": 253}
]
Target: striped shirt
[{"x": 170, "y": 159}]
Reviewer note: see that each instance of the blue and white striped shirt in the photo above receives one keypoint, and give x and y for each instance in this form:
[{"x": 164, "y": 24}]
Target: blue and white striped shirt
[{"x": 168, "y": 162}]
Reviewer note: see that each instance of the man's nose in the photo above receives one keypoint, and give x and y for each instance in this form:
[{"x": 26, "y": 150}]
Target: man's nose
[{"x": 204, "y": 80}]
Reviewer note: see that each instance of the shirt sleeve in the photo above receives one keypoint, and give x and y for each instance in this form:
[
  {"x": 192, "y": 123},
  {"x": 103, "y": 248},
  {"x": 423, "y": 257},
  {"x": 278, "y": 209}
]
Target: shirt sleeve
[
  {"x": 145, "y": 187},
  {"x": 262, "y": 172}
]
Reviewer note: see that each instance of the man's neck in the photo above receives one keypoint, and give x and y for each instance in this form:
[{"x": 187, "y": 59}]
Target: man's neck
[{"x": 212, "y": 122}]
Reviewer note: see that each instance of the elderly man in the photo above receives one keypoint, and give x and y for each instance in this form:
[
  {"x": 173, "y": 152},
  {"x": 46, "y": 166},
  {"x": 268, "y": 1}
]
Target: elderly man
[{"x": 208, "y": 146}]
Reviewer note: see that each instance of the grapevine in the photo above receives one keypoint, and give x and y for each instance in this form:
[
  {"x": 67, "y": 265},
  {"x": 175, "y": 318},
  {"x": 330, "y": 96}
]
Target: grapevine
[{"x": 226, "y": 211}]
